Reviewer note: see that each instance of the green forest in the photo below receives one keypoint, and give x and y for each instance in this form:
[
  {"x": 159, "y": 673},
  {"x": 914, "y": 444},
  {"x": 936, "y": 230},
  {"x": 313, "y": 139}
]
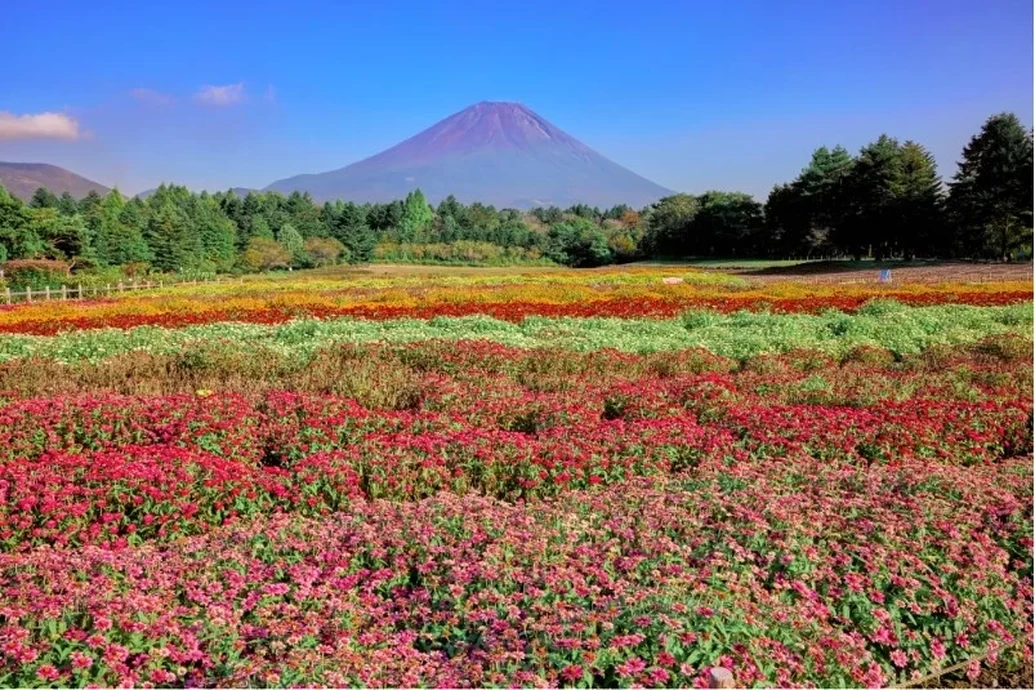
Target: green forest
[{"x": 886, "y": 201}]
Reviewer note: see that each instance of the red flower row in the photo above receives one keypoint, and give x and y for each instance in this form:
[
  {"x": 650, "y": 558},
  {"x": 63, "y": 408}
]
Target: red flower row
[
  {"x": 80, "y": 470},
  {"x": 514, "y": 311}
]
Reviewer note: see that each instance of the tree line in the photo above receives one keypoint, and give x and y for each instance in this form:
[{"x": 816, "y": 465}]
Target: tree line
[{"x": 887, "y": 201}]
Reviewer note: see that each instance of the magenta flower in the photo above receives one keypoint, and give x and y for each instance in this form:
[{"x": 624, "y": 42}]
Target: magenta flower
[
  {"x": 631, "y": 667},
  {"x": 571, "y": 673},
  {"x": 47, "y": 673}
]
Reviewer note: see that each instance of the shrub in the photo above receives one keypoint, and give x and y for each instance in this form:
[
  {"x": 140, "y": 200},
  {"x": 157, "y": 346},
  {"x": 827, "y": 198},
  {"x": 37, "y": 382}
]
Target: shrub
[
  {"x": 870, "y": 355},
  {"x": 135, "y": 268},
  {"x": 264, "y": 254},
  {"x": 36, "y": 274},
  {"x": 1005, "y": 347},
  {"x": 324, "y": 251},
  {"x": 98, "y": 277},
  {"x": 578, "y": 243}
]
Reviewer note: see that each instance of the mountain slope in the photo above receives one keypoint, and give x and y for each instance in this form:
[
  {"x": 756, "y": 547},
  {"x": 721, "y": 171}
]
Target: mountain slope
[
  {"x": 23, "y": 179},
  {"x": 496, "y": 153}
]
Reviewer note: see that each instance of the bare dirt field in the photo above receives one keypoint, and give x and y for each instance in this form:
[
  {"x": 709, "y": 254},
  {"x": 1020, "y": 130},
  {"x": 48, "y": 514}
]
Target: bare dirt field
[{"x": 870, "y": 271}]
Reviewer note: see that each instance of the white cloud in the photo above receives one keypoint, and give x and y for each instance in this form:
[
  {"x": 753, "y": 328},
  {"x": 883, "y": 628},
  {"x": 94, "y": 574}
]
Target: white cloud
[
  {"x": 221, "y": 95},
  {"x": 150, "y": 96},
  {"x": 271, "y": 94},
  {"x": 38, "y": 126}
]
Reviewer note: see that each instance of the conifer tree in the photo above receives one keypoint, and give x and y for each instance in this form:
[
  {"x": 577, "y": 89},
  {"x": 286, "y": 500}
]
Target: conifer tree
[
  {"x": 991, "y": 193},
  {"x": 921, "y": 204}
]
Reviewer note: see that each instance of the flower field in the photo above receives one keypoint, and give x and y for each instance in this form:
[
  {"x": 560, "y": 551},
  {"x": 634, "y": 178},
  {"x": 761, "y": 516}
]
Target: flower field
[
  {"x": 632, "y": 293},
  {"x": 611, "y": 481}
]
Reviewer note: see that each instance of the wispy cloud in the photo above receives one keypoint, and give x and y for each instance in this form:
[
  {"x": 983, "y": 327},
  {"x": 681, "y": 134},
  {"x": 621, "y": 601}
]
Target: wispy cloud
[
  {"x": 271, "y": 94},
  {"x": 220, "y": 95},
  {"x": 151, "y": 97},
  {"x": 38, "y": 126}
]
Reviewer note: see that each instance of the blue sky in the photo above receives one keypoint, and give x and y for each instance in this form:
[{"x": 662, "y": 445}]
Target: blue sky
[{"x": 692, "y": 95}]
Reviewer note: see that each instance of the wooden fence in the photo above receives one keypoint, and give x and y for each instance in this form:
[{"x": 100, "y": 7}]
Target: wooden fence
[{"x": 95, "y": 291}]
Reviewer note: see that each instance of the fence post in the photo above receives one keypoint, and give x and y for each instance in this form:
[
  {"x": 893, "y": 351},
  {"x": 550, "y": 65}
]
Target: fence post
[
  {"x": 28, "y": 293},
  {"x": 121, "y": 286},
  {"x": 64, "y": 291},
  {"x": 80, "y": 290},
  {"x": 46, "y": 291},
  {"x": 161, "y": 284},
  {"x": 719, "y": 677}
]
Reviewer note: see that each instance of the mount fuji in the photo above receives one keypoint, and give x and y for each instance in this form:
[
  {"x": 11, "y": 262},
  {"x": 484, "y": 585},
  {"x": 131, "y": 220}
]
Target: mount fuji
[{"x": 502, "y": 154}]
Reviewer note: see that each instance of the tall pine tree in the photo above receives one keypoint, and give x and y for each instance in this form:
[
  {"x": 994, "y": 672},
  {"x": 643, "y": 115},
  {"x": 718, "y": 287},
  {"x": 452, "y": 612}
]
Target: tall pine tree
[
  {"x": 348, "y": 225},
  {"x": 822, "y": 188},
  {"x": 127, "y": 244},
  {"x": 991, "y": 193},
  {"x": 874, "y": 189},
  {"x": 108, "y": 230},
  {"x": 305, "y": 215},
  {"x": 921, "y": 203},
  {"x": 67, "y": 204},
  {"x": 44, "y": 198},
  {"x": 173, "y": 241},
  {"x": 216, "y": 232},
  {"x": 806, "y": 215}
]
